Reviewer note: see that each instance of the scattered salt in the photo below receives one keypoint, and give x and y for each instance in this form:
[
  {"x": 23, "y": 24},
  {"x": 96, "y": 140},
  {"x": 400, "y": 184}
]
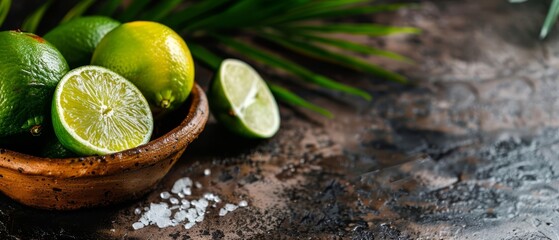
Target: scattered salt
[
  {"x": 181, "y": 184},
  {"x": 222, "y": 212},
  {"x": 137, "y": 225},
  {"x": 230, "y": 207},
  {"x": 165, "y": 195},
  {"x": 209, "y": 196},
  {"x": 187, "y": 191},
  {"x": 200, "y": 211},
  {"x": 189, "y": 225},
  {"x": 180, "y": 216},
  {"x": 203, "y": 203},
  {"x": 164, "y": 222},
  {"x": 183, "y": 209},
  {"x": 191, "y": 214},
  {"x": 144, "y": 220}
]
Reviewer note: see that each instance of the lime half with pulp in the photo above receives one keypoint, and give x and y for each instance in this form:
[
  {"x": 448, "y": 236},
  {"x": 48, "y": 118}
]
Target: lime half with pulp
[
  {"x": 242, "y": 101},
  {"x": 97, "y": 111}
]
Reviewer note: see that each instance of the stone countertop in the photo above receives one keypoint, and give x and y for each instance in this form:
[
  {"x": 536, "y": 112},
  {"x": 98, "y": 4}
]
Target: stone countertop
[{"x": 469, "y": 151}]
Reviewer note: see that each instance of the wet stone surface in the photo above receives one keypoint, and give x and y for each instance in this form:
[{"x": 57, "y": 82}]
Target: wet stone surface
[{"x": 471, "y": 151}]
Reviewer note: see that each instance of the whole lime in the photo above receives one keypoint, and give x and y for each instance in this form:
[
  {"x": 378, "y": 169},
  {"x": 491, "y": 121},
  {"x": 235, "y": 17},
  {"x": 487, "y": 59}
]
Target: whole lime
[
  {"x": 77, "y": 38},
  {"x": 153, "y": 57},
  {"x": 30, "y": 69}
]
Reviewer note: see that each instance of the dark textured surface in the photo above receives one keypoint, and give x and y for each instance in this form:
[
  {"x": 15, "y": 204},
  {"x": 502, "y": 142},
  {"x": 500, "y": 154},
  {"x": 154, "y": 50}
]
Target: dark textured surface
[{"x": 469, "y": 152}]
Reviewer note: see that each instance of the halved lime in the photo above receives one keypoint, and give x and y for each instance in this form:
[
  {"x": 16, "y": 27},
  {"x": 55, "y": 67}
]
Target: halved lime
[
  {"x": 242, "y": 101},
  {"x": 97, "y": 111}
]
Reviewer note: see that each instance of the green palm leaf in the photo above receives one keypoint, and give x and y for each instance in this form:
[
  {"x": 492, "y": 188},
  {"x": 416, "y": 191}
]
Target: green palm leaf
[
  {"x": 550, "y": 19},
  {"x": 345, "y": 60},
  {"x": 77, "y": 10},
  {"x": 363, "y": 29},
  {"x": 297, "y": 25},
  {"x": 305, "y": 74},
  {"x": 4, "y": 9},
  {"x": 335, "y": 11},
  {"x": 211, "y": 60},
  {"x": 289, "y": 97},
  {"x": 109, "y": 8},
  {"x": 31, "y": 23}
]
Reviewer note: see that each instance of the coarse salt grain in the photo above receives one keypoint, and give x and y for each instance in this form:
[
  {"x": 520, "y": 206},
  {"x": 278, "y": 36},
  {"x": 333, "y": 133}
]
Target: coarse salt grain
[
  {"x": 187, "y": 191},
  {"x": 191, "y": 215},
  {"x": 181, "y": 184},
  {"x": 198, "y": 185},
  {"x": 243, "y": 203},
  {"x": 189, "y": 225},
  {"x": 207, "y": 172},
  {"x": 174, "y": 201},
  {"x": 137, "y": 225},
  {"x": 222, "y": 212},
  {"x": 180, "y": 216},
  {"x": 165, "y": 195},
  {"x": 230, "y": 207},
  {"x": 164, "y": 222},
  {"x": 137, "y": 211},
  {"x": 203, "y": 203},
  {"x": 200, "y": 211},
  {"x": 209, "y": 196}
]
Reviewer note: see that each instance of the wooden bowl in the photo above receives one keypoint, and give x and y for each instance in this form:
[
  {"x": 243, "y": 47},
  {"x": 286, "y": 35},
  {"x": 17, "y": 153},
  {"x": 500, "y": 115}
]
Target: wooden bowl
[{"x": 72, "y": 183}]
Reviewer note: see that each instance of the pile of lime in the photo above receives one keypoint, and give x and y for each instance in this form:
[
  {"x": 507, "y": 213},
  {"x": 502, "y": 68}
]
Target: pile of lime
[{"x": 94, "y": 86}]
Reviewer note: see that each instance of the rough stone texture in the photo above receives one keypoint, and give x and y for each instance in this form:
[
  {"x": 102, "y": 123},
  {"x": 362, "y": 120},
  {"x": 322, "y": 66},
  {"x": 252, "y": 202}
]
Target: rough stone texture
[{"x": 469, "y": 152}]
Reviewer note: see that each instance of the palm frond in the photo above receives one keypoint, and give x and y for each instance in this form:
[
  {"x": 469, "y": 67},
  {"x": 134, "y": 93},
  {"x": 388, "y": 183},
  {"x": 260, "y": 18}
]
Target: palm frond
[
  {"x": 31, "y": 23},
  {"x": 205, "y": 56},
  {"x": 133, "y": 10},
  {"x": 162, "y": 9},
  {"x": 351, "y": 46},
  {"x": 77, "y": 10},
  {"x": 182, "y": 18},
  {"x": 109, "y": 8},
  {"x": 364, "y": 29},
  {"x": 213, "y": 61},
  {"x": 305, "y": 27},
  {"x": 289, "y": 97},
  {"x": 550, "y": 19},
  {"x": 268, "y": 58},
  {"x": 4, "y": 9},
  {"x": 335, "y": 11},
  {"x": 311, "y": 50}
]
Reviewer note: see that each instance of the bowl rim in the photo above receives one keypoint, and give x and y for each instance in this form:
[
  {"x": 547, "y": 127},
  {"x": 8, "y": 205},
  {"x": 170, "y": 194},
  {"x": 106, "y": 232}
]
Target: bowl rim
[{"x": 95, "y": 166}]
